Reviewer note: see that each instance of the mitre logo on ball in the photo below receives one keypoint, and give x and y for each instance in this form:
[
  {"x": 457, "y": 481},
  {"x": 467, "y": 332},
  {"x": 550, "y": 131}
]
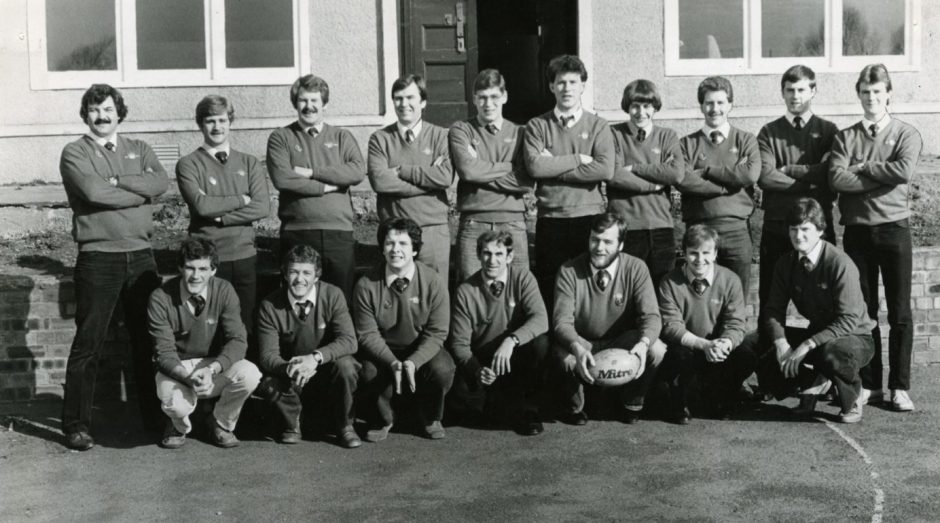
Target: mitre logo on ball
[{"x": 615, "y": 367}]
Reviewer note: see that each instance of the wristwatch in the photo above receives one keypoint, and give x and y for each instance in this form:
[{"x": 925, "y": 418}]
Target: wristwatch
[
  {"x": 318, "y": 357},
  {"x": 515, "y": 339}
]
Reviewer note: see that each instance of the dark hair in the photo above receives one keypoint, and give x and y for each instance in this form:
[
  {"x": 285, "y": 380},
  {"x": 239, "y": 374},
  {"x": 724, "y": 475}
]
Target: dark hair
[
  {"x": 715, "y": 84},
  {"x": 311, "y": 84},
  {"x": 872, "y": 74},
  {"x": 98, "y": 93},
  {"x": 402, "y": 225},
  {"x": 806, "y": 210},
  {"x": 605, "y": 221},
  {"x": 698, "y": 234},
  {"x": 402, "y": 83},
  {"x": 489, "y": 78},
  {"x": 197, "y": 249},
  {"x": 641, "y": 91},
  {"x": 566, "y": 63},
  {"x": 212, "y": 105},
  {"x": 302, "y": 253},
  {"x": 796, "y": 73},
  {"x": 501, "y": 237}
]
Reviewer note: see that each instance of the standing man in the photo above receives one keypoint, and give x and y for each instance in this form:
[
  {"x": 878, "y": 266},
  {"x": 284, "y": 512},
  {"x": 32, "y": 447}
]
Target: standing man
[
  {"x": 410, "y": 170},
  {"x": 605, "y": 298},
  {"x": 794, "y": 153},
  {"x": 313, "y": 165},
  {"x": 498, "y": 331},
  {"x": 487, "y": 153},
  {"x": 648, "y": 162},
  {"x": 722, "y": 163},
  {"x": 401, "y": 311},
  {"x": 110, "y": 181},
  {"x": 226, "y": 192},
  {"x": 872, "y": 166},
  {"x": 570, "y": 153},
  {"x": 199, "y": 347}
]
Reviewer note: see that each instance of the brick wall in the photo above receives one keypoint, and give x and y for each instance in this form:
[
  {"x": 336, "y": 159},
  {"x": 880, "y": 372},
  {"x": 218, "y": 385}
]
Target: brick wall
[{"x": 37, "y": 325}]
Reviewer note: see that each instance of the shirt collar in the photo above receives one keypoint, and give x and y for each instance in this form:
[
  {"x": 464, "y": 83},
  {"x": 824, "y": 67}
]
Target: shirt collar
[
  {"x": 185, "y": 295},
  {"x": 805, "y": 116},
  {"x": 504, "y": 277},
  {"x": 611, "y": 269},
  {"x": 306, "y": 128},
  {"x": 648, "y": 128},
  {"x": 101, "y": 141},
  {"x": 498, "y": 124},
  {"x": 311, "y": 296},
  {"x": 710, "y": 277},
  {"x": 226, "y": 148},
  {"x": 879, "y": 125},
  {"x": 577, "y": 113},
  {"x": 390, "y": 276},
  {"x": 724, "y": 129},
  {"x": 815, "y": 253},
  {"x": 416, "y": 128}
]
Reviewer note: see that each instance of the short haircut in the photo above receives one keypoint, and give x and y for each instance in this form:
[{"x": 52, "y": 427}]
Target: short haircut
[
  {"x": 212, "y": 105},
  {"x": 402, "y": 83},
  {"x": 198, "y": 249},
  {"x": 605, "y": 221},
  {"x": 714, "y": 84},
  {"x": 489, "y": 78},
  {"x": 806, "y": 210},
  {"x": 796, "y": 73},
  {"x": 98, "y": 93},
  {"x": 641, "y": 91},
  {"x": 302, "y": 253},
  {"x": 501, "y": 237},
  {"x": 566, "y": 63},
  {"x": 311, "y": 84},
  {"x": 697, "y": 235},
  {"x": 402, "y": 225},
  {"x": 872, "y": 74}
]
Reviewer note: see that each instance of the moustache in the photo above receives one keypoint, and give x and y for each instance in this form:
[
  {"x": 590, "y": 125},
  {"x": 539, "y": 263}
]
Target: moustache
[{"x": 100, "y": 121}]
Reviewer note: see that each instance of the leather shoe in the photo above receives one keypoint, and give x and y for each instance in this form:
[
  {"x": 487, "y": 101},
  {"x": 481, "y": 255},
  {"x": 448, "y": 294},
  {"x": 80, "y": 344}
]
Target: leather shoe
[
  {"x": 80, "y": 440},
  {"x": 291, "y": 436},
  {"x": 378, "y": 434},
  {"x": 807, "y": 406},
  {"x": 435, "y": 430},
  {"x": 221, "y": 437},
  {"x": 629, "y": 416},
  {"x": 172, "y": 438},
  {"x": 349, "y": 439},
  {"x": 531, "y": 425},
  {"x": 574, "y": 418},
  {"x": 682, "y": 417}
]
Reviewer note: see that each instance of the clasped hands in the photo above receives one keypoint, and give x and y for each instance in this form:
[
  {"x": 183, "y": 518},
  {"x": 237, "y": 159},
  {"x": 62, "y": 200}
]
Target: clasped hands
[
  {"x": 301, "y": 369},
  {"x": 403, "y": 371},
  {"x": 790, "y": 358}
]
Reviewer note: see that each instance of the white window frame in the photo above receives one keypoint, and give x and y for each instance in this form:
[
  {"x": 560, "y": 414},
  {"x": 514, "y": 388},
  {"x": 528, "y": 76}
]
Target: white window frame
[
  {"x": 128, "y": 74},
  {"x": 752, "y": 62}
]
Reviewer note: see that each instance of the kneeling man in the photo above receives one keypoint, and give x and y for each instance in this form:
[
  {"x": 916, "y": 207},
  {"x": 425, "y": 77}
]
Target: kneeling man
[
  {"x": 498, "y": 330},
  {"x": 200, "y": 342},
  {"x": 307, "y": 341},
  {"x": 604, "y": 299}
]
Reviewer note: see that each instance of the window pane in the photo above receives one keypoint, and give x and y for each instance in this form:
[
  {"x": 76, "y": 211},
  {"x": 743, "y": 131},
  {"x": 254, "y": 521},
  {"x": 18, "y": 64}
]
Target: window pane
[
  {"x": 259, "y": 33},
  {"x": 80, "y": 35},
  {"x": 793, "y": 28},
  {"x": 872, "y": 27},
  {"x": 713, "y": 29},
  {"x": 171, "y": 34}
]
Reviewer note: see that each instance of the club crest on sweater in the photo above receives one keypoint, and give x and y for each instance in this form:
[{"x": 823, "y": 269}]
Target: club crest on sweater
[
  {"x": 213, "y": 181},
  {"x": 427, "y": 151},
  {"x": 330, "y": 145},
  {"x": 131, "y": 156},
  {"x": 98, "y": 154},
  {"x": 618, "y": 299},
  {"x": 656, "y": 150},
  {"x": 241, "y": 172},
  {"x": 509, "y": 140},
  {"x": 298, "y": 148},
  {"x": 734, "y": 150},
  {"x": 891, "y": 142},
  {"x": 585, "y": 135}
]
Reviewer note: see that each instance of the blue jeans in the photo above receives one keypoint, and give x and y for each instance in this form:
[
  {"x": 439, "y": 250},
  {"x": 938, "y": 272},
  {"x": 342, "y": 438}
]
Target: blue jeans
[
  {"x": 101, "y": 280},
  {"x": 471, "y": 229}
]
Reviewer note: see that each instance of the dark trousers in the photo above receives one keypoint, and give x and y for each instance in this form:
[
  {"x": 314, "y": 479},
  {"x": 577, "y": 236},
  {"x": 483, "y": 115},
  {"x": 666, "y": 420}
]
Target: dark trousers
[
  {"x": 656, "y": 247},
  {"x": 838, "y": 360},
  {"x": 557, "y": 240},
  {"x": 774, "y": 244},
  {"x": 720, "y": 381},
  {"x": 735, "y": 252},
  {"x": 333, "y": 385},
  {"x": 337, "y": 250},
  {"x": 886, "y": 248},
  {"x": 432, "y": 382},
  {"x": 101, "y": 280},
  {"x": 243, "y": 276}
]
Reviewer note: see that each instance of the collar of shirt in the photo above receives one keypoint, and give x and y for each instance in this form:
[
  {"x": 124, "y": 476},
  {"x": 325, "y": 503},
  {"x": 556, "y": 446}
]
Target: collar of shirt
[
  {"x": 101, "y": 141},
  {"x": 577, "y": 113},
  {"x": 725, "y": 130},
  {"x": 814, "y": 253},
  {"x": 318, "y": 127},
  {"x": 710, "y": 277},
  {"x": 649, "y": 128},
  {"x": 498, "y": 124},
  {"x": 805, "y": 117},
  {"x": 611, "y": 269},
  {"x": 504, "y": 277},
  {"x": 311, "y": 296},
  {"x": 879, "y": 125},
  {"x": 390, "y": 276},
  {"x": 185, "y": 296},
  {"x": 226, "y": 148},
  {"x": 416, "y": 128}
]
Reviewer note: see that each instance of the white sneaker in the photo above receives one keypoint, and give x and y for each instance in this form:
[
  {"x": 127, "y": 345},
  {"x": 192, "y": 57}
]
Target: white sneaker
[
  {"x": 901, "y": 401},
  {"x": 870, "y": 397},
  {"x": 854, "y": 415}
]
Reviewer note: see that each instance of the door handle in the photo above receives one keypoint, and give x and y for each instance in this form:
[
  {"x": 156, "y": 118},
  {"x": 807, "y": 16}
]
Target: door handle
[{"x": 461, "y": 39}]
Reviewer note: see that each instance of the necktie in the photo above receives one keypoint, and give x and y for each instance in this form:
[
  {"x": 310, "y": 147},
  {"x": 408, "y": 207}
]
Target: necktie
[
  {"x": 497, "y": 288},
  {"x": 798, "y": 123},
  {"x": 409, "y": 136},
  {"x": 699, "y": 285},
  {"x": 716, "y": 137},
  {"x": 602, "y": 278},
  {"x": 199, "y": 304},
  {"x": 873, "y": 129},
  {"x": 313, "y": 132},
  {"x": 400, "y": 284},
  {"x": 491, "y": 128},
  {"x": 222, "y": 156},
  {"x": 565, "y": 120},
  {"x": 110, "y": 146},
  {"x": 303, "y": 308},
  {"x": 806, "y": 264},
  {"x": 641, "y": 135}
]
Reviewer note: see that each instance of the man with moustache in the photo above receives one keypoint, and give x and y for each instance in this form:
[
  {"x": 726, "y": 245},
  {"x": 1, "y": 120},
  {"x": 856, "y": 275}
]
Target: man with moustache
[
  {"x": 498, "y": 333},
  {"x": 794, "y": 152},
  {"x": 110, "y": 181},
  {"x": 722, "y": 163},
  {"x": 199, "y": 347},
  {"x": 226, "y": 192},
  {"x": 604, "y": 299},
  {"x": 410, "y": 171},
  {"x": 487, "y": 153},
  {"x": 313, "y": 165}
]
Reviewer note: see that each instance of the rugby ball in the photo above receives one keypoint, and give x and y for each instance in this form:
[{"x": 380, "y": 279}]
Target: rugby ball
[{"x": 615, "y": 367}]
